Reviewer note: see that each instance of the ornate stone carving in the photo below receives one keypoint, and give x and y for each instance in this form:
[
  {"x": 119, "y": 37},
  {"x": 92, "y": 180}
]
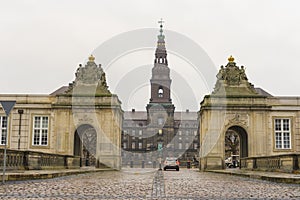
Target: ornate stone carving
[
  {"x": 233, "y": 80},
  {"x": 239, "y": 119},
  {"x": 89, "y": 76},
  {"x": 85, "y": 119}
]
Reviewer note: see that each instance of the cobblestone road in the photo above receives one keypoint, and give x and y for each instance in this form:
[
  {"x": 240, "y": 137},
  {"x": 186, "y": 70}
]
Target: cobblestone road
[
  {"x": 149, "y": 184},
  {"x": 196, "y": 185}
]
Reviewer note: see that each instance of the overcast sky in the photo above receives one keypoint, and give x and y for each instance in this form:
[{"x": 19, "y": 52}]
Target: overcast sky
[{"x": 42, "y": 42}]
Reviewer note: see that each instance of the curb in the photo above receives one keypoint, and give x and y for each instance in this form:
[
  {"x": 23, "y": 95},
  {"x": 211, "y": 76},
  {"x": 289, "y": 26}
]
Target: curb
[
  {"x": 267, "y": 177},
  {"x": 46, "y": 175}
]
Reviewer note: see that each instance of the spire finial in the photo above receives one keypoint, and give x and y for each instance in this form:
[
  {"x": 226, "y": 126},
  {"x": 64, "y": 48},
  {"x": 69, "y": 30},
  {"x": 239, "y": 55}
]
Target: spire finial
[
  {"x": 91, "y": 58},
  {"x": 231, "y": 59},
  {"x": 161, "y": 26}
]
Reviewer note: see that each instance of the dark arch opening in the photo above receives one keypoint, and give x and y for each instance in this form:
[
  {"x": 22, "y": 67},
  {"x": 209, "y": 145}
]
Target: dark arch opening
[
  {"x": 243, "y": 139},
  {"x": 85, "y": 140}
]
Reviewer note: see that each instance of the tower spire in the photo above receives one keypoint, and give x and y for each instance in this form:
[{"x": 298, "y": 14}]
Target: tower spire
[
  {"x": 161, "y": 52},
  {"x": 160, "y": 80}
]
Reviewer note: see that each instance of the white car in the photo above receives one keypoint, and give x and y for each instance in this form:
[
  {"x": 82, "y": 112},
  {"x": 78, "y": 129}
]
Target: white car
[{"x": 171, "y": 163}]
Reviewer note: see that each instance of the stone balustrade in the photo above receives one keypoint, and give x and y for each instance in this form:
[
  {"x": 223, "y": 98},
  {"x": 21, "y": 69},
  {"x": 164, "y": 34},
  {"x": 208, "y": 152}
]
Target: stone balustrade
[
  {"x": 31, "y": 160},
  {"x": 281, "y": 163}
]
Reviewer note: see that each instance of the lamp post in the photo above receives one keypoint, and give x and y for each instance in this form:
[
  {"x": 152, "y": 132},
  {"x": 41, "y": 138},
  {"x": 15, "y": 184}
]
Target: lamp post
[{"x": 20, "y": 124}]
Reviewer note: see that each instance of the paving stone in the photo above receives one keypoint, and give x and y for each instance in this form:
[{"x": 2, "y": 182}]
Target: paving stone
[{"x": 149, "y": 184}]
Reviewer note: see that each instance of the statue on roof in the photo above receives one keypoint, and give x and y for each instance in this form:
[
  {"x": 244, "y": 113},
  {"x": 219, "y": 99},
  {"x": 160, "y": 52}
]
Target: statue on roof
[
  {"x": 232, "y": 80},
  {"x": 88, "y": 77}
]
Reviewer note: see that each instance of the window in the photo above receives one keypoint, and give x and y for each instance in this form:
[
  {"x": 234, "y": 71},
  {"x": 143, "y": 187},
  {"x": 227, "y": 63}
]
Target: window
[
  {"x": 160, "y": 92},
  {"x": 282, "y": 134},
  {"x": 187, "y": 145},
  {"x": 133, "y": 145},
  {"x": 3, "y": 130},
  {"x": 140, "y": 134},
  {"x": 179, "y": 133},
  {"x": 187, "y": 132},
  {"x": 179, "y": 145},
  {"x": 150, "y": 146},
  {"x": 160, "y": 121},
  {"x": 125, "y": 145},
  {"x": 140, "y": 145},
  {"x": 195, "y": 133},
  {"x": 40, "y": 130}
]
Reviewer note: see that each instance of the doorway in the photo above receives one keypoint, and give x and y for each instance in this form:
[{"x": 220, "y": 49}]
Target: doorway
[
  {"x": 236, "y": 145},
  {"x": 85, "y": 143}
]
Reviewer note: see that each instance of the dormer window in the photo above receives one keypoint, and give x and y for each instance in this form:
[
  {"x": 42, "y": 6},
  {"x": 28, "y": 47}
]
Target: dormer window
[{"x": 160, "y": 92}]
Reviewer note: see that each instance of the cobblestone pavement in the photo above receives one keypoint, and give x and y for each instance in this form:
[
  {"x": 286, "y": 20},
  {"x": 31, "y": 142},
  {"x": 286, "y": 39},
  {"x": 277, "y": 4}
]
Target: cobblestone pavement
[
  {"x": 158, "y": 188},
  {"x": 149, "y": 184},
  {"x": 127, "y": 184},
  {"x": 191, "y": 184}
]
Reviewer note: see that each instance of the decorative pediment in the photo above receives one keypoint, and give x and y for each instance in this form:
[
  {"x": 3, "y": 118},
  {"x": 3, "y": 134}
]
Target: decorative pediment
[
  {"x": 238, "y": 119},
  {"x": 90, "y": 80},
  {"x": 232, "y": 80}
]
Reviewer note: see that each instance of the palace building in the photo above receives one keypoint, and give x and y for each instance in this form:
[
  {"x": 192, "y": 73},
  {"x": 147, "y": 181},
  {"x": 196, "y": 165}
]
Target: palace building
[
  {"x": 237, "y": 118},
  {"x": 85, "y": 123},
  {"x": 160, "y": 131},
  {"x": 83, "y": 120}
]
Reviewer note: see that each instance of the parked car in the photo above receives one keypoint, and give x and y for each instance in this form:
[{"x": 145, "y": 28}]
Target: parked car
[{"x": 171, "y": 163}]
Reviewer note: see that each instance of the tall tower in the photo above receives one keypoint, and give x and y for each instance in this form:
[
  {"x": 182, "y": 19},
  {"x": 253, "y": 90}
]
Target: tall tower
[
  {"x": 160, "y": 110},
  {"x": 160, "y": 81}
]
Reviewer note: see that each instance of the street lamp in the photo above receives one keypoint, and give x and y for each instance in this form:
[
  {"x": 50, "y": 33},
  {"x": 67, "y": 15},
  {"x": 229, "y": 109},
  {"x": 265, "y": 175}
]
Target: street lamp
[{"x": 20, "y": 124}]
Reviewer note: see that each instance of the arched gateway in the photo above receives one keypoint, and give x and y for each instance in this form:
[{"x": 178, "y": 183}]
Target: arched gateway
[
  {"x": 85, "y": 144},
  {"x": 236, "y": 145},
  {"x": 94, "y": 115},
  {"x": 229, "y": 118}
]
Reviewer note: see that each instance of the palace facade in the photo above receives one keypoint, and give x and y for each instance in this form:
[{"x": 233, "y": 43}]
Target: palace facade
[
  {"x": 237, "y": 118},
  {"x": 83, "y": 119},
  {"x": 150, "y": 136}
]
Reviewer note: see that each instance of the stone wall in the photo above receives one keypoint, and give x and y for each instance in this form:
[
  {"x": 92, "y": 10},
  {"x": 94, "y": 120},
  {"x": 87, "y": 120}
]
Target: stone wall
[
  {"x": 280, "y": 163},
  {"x": 31, "y": 160}
]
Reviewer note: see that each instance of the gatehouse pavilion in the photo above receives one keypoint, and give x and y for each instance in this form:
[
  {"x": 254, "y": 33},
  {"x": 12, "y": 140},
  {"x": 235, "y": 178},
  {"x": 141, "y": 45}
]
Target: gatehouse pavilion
[{"x": 238, "y": 118}]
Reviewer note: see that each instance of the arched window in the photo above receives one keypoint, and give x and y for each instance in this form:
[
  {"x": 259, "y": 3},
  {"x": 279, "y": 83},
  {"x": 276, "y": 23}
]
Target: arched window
[
  {"x": 160, "y": 92},
  {"x": 160, "y": 121}
]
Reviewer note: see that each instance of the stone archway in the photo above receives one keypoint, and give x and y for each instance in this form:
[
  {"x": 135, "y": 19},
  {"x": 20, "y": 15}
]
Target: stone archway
[
  {"x": 236, "y": 142},
  {"x": 236, "y": 145},
  {"x": 85, "y": 143}
]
